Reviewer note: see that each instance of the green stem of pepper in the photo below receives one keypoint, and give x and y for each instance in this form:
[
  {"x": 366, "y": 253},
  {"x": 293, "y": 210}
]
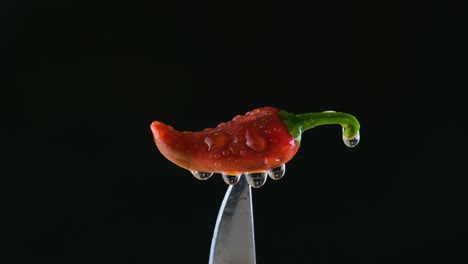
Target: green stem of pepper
[{"x": 299, "y": 123}]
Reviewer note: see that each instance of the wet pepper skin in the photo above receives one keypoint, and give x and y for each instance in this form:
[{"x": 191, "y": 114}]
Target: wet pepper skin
[{"x": 254, "y": 142}]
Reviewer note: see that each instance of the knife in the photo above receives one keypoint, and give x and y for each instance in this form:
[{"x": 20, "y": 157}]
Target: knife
[{"x": 233, "y": 239}]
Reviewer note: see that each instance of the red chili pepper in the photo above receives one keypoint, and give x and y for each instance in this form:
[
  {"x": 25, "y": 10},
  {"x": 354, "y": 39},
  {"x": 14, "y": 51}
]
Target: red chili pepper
[{"x": 258, "y": 143}]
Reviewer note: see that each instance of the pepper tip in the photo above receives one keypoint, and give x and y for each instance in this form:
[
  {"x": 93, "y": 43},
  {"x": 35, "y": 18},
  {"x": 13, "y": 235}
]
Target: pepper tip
[{"x": 155, "y": 129}]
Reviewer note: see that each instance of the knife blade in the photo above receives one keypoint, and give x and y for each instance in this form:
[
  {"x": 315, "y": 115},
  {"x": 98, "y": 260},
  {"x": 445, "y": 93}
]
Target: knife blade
[{"x": 233, "y": 239}]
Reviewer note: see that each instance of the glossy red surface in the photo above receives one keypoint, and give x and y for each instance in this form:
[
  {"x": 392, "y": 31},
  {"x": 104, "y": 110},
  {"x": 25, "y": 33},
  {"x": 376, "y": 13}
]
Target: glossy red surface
[{"x": 254, "y": 142}]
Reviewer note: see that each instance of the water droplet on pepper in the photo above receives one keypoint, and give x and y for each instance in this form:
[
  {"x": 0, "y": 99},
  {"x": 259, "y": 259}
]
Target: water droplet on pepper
[
  {"x": 256, "y": 180},
  {"x": 254, "y": 141},
  {"x": 278, "y": 172},
  {"x": 216, "y": 140},
  {"x": 209, "y": 142},
  {"x": 201, "y": 175},
  {"x": 230, "y": 179}
]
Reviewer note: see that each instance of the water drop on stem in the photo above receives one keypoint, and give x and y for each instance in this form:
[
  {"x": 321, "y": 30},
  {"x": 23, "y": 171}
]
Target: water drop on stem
[{"x": 351, "y": 142}]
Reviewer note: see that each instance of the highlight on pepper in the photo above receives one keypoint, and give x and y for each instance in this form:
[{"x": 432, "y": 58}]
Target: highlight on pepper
[{"x": 257, "y": 144}]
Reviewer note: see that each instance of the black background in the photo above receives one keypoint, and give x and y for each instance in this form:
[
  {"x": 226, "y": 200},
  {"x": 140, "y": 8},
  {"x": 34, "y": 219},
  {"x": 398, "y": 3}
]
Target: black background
[{"x": 82, "y": 180}]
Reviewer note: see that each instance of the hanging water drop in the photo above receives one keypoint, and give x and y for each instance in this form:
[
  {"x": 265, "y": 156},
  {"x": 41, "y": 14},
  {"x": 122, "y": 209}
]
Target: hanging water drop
[
  {"x": 278, "y": 172},
  {"x": 256, "y": 180},
  {"x": 351, "y": 142},
  {"x": 202, "y": 175},
  {"x": 231, "y": 179}
]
